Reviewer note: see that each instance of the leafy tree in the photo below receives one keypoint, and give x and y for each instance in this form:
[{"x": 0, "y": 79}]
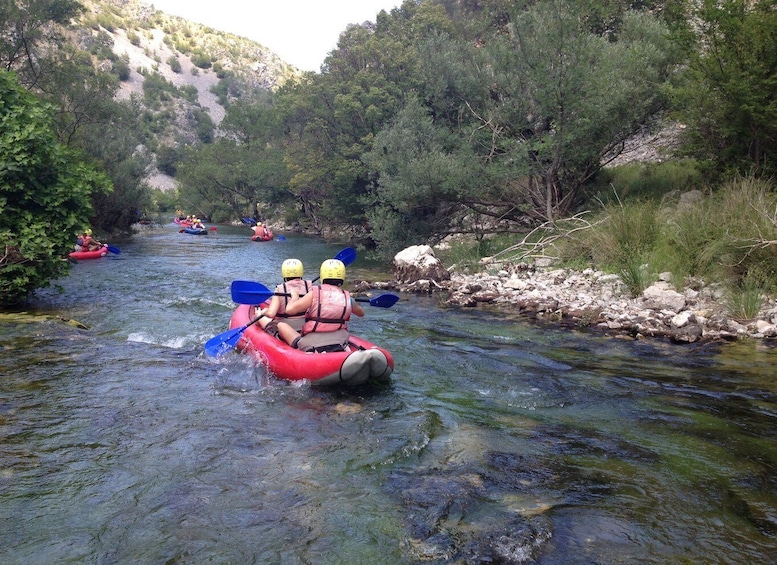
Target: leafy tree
[
  {"x": 333, "y": 118},
  {"x": 28, "y": 36},
  {"x": 424, "y": 170},
  {"x": 543, "y": 104},
  {"x": 729, "y": 96},
  {"x": 87, "y": 117},
  {"x": 243, "y": 167},
  {"x": 205, "y": 127},
  {"x": 168, "y": 159},
  {"x": 83, "y": 96},
  {"x": 113, "y": 144},
  {"x": 91, "y": 120},
  {"x": 44, "y": 194}
]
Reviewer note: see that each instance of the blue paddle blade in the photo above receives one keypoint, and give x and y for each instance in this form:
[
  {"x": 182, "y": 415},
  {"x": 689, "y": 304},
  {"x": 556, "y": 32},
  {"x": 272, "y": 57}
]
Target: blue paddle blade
[
  {"x": 382, "y": 301},
  {"x": 114, "y": 250},
  {"x": 347, "y": 256},
  {"x": 249, "y": 292},
  {"x": 281, "y": 238},
  {"x": 223, "y": 342}
]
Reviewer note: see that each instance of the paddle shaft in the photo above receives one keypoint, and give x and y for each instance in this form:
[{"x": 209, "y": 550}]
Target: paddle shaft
[
  {"x": 251, "y": 323},
  {"x": 382, "y": 301},
  {"x": 356, "y": 298}
]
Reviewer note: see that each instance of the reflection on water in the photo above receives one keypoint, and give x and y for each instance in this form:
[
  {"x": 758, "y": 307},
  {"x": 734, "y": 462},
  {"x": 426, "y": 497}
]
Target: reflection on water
[{"x": 496, "y": 440}]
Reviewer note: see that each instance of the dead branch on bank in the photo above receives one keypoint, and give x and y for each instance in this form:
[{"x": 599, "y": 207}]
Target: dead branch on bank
[{"x": 550, "y": 233}]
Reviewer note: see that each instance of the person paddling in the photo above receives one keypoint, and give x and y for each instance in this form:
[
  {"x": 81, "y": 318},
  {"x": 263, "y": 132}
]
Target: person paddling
[
  {"x": 261, "y": 231},
  {"x": 327, "y": 309},
  {"x": 85, "y": 242},
  {"x": 292, "y": 272}
]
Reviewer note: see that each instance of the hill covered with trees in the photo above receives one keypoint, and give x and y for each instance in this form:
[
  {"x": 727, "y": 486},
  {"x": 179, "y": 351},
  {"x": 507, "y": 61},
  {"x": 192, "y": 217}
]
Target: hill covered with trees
[{"x": 97, "y": 98}]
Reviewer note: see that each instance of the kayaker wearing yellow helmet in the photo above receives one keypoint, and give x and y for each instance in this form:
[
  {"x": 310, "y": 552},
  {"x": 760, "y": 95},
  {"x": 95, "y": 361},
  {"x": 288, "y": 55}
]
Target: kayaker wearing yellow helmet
[
  {"x": 327, "y": 309},
  {"x": 260, "y": 230},
  {"x": 85, "y": 242},
  {"x": 292, "y": 272}
]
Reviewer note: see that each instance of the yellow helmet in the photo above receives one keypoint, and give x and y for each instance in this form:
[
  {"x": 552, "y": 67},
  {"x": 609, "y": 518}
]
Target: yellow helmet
[
  {"x": 87, "y": 231},
  {"x": 332, "y": 269},
  {"x": 292, "y": 269}
]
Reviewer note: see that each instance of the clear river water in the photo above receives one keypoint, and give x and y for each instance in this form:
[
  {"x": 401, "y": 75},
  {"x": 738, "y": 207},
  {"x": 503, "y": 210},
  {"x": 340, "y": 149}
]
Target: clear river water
[{"x": 497, "y": 440}]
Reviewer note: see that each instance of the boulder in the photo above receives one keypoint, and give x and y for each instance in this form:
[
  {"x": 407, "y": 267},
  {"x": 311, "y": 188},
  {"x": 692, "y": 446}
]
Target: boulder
[
  {"x": 418, "y": 262},
  {"x": 661, "y": 296}
]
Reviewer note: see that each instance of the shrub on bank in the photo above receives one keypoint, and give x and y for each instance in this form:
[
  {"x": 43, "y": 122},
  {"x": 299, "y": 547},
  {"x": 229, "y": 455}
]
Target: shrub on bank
[{"x": 727, "y": 237}]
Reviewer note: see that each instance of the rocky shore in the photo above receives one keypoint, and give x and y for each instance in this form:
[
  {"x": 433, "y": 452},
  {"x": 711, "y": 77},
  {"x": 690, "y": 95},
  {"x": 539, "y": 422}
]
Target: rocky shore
[{"x": 586, "y": 298}]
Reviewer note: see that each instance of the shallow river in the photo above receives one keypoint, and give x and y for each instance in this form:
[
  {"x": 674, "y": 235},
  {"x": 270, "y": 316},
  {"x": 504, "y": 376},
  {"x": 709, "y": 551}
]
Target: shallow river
[{"x": 496, "y": 441}]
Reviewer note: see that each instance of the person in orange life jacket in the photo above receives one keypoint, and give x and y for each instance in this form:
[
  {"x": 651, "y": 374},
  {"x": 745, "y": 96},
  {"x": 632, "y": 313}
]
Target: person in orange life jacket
[
  {"x": 292, "y": 272},
  {"x": 260, "y": 230},
  {"x": 327, "y": 310},
  {"x": 85, "y": 242}
]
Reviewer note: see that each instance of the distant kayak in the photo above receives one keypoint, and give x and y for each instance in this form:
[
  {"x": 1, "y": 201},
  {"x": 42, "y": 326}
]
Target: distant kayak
[
  {"x": 268, "y": 237},
  {"x": 195, "y": 231},
  {"x": 96, "y": 254}
]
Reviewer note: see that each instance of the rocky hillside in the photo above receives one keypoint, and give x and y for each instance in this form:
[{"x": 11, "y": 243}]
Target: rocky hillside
[{"x": 181, "y": 73}]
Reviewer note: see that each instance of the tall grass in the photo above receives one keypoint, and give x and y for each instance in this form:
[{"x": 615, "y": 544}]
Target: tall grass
[
  {"x": 744, "y": 300},
  {"x": 727, "y": 236},
  {"x": 689, "y": 230},
  {"x": 747, "y": 253},
  {"x": 621, "y": 240},
  {"x": 646, "y": 181}
]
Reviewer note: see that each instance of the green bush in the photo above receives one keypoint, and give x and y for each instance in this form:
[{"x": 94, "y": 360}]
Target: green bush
[
  {"x": 44, "y": 194},
  {"x": 727, "y": 236},
  {"x": 201, "y": 60},
  {"x": 122, "y": 69},
  {"x": 175, "y": 64}
]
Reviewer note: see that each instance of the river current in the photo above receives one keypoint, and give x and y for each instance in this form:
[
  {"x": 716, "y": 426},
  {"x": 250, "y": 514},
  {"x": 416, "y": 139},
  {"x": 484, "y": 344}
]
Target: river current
[{"x": 496, "y": 441}]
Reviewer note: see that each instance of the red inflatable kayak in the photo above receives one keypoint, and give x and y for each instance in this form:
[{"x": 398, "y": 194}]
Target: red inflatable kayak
[
  {"x": 267, "y": 237},
  {"x": 364, "y": 362},
  {"x": 96, "y": 254}
]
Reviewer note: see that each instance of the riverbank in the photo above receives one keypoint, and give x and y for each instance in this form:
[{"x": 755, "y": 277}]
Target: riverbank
[
  {"x": 588, "y": 298},
  {"x": 593, "y": 299}
]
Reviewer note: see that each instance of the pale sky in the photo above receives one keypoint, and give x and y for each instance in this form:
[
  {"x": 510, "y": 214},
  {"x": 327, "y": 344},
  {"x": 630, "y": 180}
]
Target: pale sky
[{"x": 301, "y": 32}]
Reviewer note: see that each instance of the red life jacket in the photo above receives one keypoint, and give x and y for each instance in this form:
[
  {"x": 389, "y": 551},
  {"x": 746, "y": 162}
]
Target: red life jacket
[
  {"x": 301, "y": 286},
  {"x": 329, "y": 310}
]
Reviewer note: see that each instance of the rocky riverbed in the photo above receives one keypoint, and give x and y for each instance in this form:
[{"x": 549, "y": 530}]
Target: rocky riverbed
[{"x": 586, "y": 298}]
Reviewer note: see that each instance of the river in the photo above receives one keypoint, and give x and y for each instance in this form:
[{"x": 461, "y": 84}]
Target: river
[{"x": 496, "y": 441}]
